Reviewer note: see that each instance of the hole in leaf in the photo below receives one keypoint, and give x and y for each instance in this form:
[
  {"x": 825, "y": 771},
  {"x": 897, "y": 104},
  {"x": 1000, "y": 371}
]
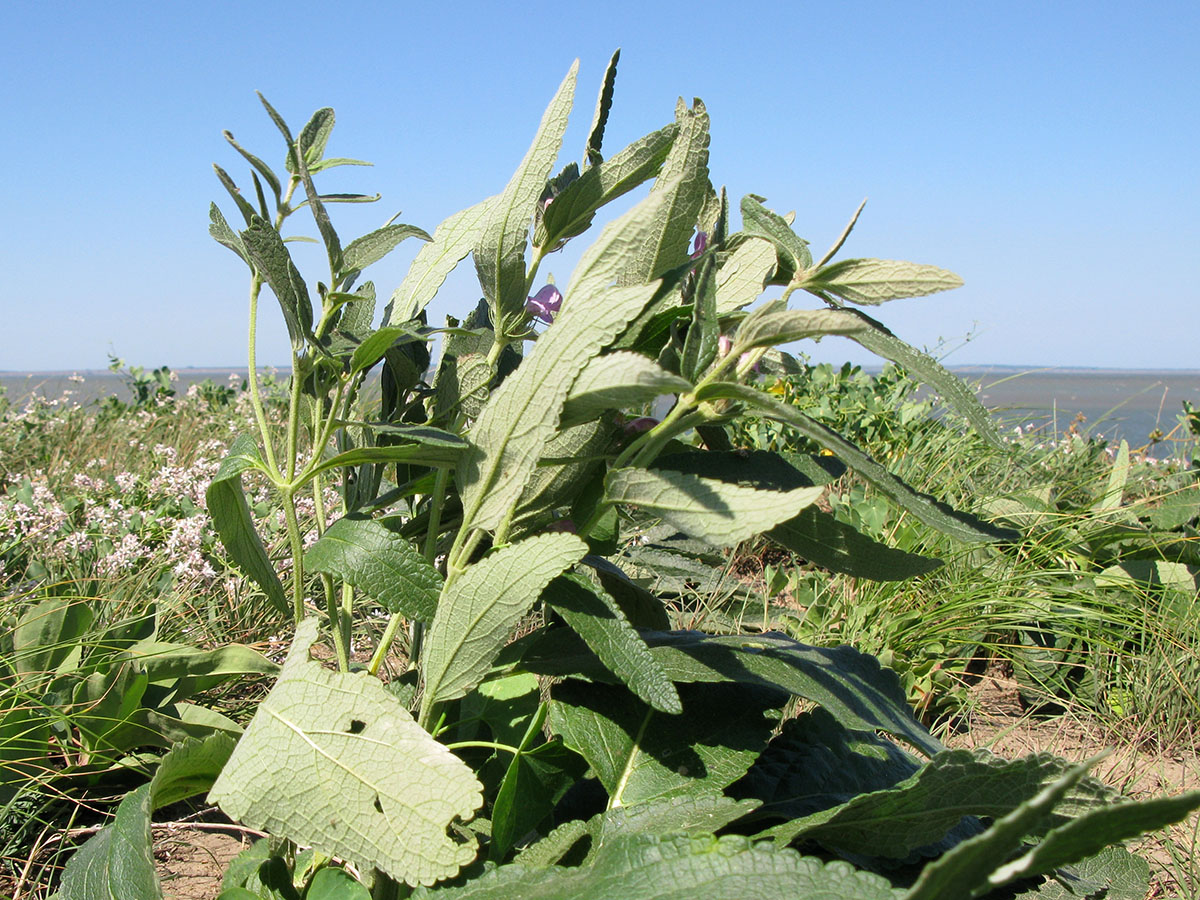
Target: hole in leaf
[
  {"x": 356, "y": 726},
  {"x": 378, "y": 805}
]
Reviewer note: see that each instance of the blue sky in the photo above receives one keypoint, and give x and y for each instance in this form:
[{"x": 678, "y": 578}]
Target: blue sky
[{"x": 1044, "y": 151}]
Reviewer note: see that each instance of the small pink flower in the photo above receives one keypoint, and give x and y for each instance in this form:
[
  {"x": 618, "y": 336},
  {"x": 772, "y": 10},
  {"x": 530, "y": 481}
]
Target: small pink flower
[
  {"x": 637, "y": 426},
  {"x": 699, "y": 245},
  {"x": 562, "y": 525},
  {"x": 545, "y": 304}
]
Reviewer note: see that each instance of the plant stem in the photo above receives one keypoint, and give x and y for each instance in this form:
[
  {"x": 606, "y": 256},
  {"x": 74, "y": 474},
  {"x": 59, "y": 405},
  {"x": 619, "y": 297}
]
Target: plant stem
[
  {"x": 260, "y": 415},
  {"x": 297, "y": 546},
  {"x": 385, "y": 643}
]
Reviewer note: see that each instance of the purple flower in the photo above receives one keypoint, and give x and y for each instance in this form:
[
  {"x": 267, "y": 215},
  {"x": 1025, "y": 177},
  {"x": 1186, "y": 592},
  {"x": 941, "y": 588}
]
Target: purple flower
[
  {"x": 699, "y": 245},
  {"x": 637, "y": 426},
  {"x": 545, "y": 304}
]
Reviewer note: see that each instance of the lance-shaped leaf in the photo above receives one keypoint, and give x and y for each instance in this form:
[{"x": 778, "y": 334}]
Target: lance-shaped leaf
[
  {"x": 880, "y": 341},
  {"x": 524, "y": 411},
  {"x": 452, "y": 240},
  {"x": 571, "y": 460},
  {"x": 618, "y": 381},
  {"x": 479, "y": 610},
  {"x": 743, "y": 274},
  {"x": 373, "y": 349},
  {"x": 272, "y": 261},
  {"x": 500, "y": 253},
  {"x": 701, "y": 344},
  {"x": 380, "y": 563},
  {"x": 46, "y": 634},
  {"x": 676, "y": 867},
  {"x": 683, "y": 182},
  {"x": 534, "y": 783},
  {"x": 442, "y": 449},
  {"x": 162, "y": 661},
  {"x": 224, "y": 235},
  {"x": 717, "y": 512},
  {"x": 640, "y": 754},
  {"x": 335, "y": 761},
  {"x": 263, "y": 169},
  {"x": 791, "y": 250},
  {"x": 230, "y": 514},
  {"x": 831, "y": 544},
  {"x": 922, "y": 809},
  {"x": 875, "y": 281},
  {"x": 933, "y": 513},
  {"x": 370, "y": 248},
  {"x": 773, "y": 324},
  {"x": 572, "y": 210},
  {"x": 595, "y": 616},
  {"x": 591, "y": 152}
]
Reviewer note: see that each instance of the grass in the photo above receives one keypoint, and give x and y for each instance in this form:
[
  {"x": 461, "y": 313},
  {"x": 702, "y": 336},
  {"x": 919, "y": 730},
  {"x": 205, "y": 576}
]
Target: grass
[{"x": 105, "y": 504}]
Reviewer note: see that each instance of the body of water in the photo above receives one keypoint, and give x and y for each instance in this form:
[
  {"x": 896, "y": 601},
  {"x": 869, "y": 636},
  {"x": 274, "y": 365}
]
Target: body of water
[{"x": 1114, "y": 403}]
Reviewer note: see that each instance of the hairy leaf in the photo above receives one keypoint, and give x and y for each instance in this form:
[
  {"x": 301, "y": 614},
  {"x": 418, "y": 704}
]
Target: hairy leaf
[
  {"x": 380, "y": 563},
  {"x": 720, "y": 513},
  {"x": 743, "y": 274},
  {"x": 678, "y": 867},
  {"x": 370, "y": 248},
  {"x": 500, "y": 253},
  {"x": 791, "y": 250},
  {"x": 875, "y": 281},
  {"x": 452, "y": 240},
  {"x": 595, "y": 616},
  {"x": 773, "y": 324},
  {"x": 618, "y": 381},
  {"x": 271, "y": 260},
  {"x": 335, "y": 761},
  {"x": 591, "y": 152},
  {"x": 117, "y": 863},
  {"x": 824, "y": 541},
  {"x": 478, "y": 611}
]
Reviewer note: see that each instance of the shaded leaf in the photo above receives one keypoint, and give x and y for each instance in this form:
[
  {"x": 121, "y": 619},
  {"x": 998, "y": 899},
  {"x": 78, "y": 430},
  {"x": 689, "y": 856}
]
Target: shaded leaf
[
  {"x": 618, "y": 381},
  {"x": 825, "y": 541}
]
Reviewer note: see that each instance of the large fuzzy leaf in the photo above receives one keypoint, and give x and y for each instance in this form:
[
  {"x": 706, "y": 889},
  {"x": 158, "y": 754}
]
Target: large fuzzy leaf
[
  {"x": 573, "y": 210},
  {"x": 792, "y": 251},
  {"x": 743, "y": 274},
  {"x": 773, "y": 324},
  {"x": 500, "y": 253},
  {"x": 595, "y": 616},
  {"x": 510, "y": 434},
  {"x": 380, "y": 563},
  {"x": 478, "y": 611},
  {"x": 618, "y": 381},
  {"x": 933, "y": 513},
  {"x": 370, "y": 248},
  {"x": 875, "y": 281},
  {"x": 230, "y": 513},
  {"x": 269, "y": 255},
  {"x": 640, "y": 754},
  {"x": 678, "y": 867},
  {"x": 717, "y": 512},
  {"x": 452, "y": 240},
  {"x": 683, "y": 184},
  {"x": 335, "y": 761}
]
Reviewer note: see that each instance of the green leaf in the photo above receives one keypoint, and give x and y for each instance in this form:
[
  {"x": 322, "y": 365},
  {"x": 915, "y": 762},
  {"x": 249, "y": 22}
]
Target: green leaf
[
  {"x": 270, "y": 257},
  {"x": 1091, "y": 832},
  {"x": 924, "y": 808},
  {"x": 421, "y": 452},
  {"x": 248, "y": 212},
  {"x": 773, "y": 324},
  {"x": 373, "y": 349},
  {"x": 164, "y": 661},
  {"x": 875, "y": 281},
  {"x": 571, "y": 459},
  {"x": 534, "y": 783},
  {"x": 968, "y": 870},
  {"x": 1111, "y": 499},
  {"x": 701, "y": 344},
  {"x": 226, "y": 236},
  {"x": 189, "y": 769},
  {"x": 521, "y": 416},
  {"x": 591, "y": 152},
  {"x": 335, "y": 884},
  {"x": 743, "y": 275},
  {"x": 850, "y": 685},
  {"x": 335, "y": 761},
  {"x": 380, "y": 563},
  {"x": 618, "y": 381},
  {"x": 595, "y": 616},
  {"x": 639, "y": 754},
  {"x": 825, "y": 541},
  {"x": 678, "y": 867},
  {"x": 933, "y": 513},
  {"x": 47, "y": 633},
  {"x": 226, "y": 502},
  {"x": 683, "y": 185},
  {"x": 720, "y": 513},
  {"x": 500, "y": 253},
  {"x": 573, "y": 210},
  {"x": 452, "y": 240},
  {"x": 117, "y": 863},
  {"x": 370, "y": 248},
  {"x": 792, "y": 251},
  {"x": 263, "y": 169},
  {"x": 479, "y": 610}
]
